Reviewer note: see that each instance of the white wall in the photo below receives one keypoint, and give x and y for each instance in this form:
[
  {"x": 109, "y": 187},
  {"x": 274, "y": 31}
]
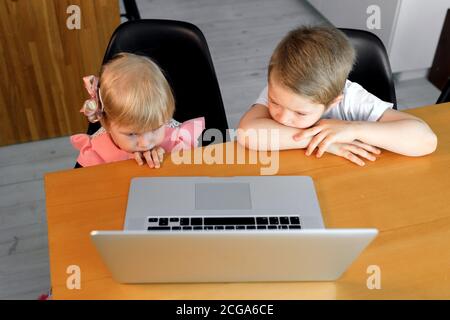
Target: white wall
[{"x": 417, "y": 34}]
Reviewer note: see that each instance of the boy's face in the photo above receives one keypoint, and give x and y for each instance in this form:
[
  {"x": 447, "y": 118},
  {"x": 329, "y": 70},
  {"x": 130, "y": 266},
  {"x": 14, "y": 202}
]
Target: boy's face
[
  {"x": 131, "y": 141},
  {"x": 291, "y": 109}
]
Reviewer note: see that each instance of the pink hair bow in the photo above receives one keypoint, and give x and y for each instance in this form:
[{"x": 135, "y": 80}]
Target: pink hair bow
[{"x": 91, "y": 108}]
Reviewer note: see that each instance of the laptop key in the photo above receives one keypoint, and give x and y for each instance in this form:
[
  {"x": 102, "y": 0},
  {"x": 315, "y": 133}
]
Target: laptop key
[
  {"x": 163, "y": 221},
  {"x": 196, "y": 221},
  {"x": 251, "y": 227},
  {"x": 218, "y": 228},
  {"x": 198, "y": 228},
  {"x": 184, "y": 221},
  {"x": 262, "y": 220},
  {"x": 174, "y": 219},
  {"x": 158, "y": 228},
  {"x": 295, "y": 220},
  {"x": 209, "y": 228},
  {"x": 187, "y": 228},
  {"x": 152, "y": 219},
  {"x": 176, "y": 228},
  {"x": 223, "y": 221},
  {"x": 272, "y": 227},
  {"x": 229, "y": 227},
  {"x": 273, "y": 220},
  {"x": 262, "y": 227},
  {"x": 240, "y": 227},
  {"x": 294, "y": 227},
  {"x": 284, "y": 220}
]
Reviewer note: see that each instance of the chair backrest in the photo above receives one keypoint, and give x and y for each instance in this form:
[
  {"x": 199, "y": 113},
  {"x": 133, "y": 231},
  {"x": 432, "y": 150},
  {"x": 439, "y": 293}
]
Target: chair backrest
[
  {"x": 445, "y": 94},
  {"x": 180, "y": 50},
  {"x": 131, "y": 10},
  {"x": 372, "y": 69}
]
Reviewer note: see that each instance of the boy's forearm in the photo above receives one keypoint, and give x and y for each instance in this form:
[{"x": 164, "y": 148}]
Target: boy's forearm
[
  {"x": 408, "y": 137},
  {"x": 267, "y": 134}
]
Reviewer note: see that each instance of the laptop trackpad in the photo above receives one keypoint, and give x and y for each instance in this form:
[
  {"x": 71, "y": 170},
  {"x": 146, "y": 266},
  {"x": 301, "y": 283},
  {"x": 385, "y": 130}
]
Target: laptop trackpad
[{"x": 222, "y": 196}]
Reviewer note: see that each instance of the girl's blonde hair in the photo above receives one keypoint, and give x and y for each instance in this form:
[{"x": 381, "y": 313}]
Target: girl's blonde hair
[
  {"x": 135, "y": 93},
  {"x": 314, "y": 62}
]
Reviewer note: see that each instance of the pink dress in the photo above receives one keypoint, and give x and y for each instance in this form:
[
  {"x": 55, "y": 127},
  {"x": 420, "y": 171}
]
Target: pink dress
[{"x": 100, "y": 148}]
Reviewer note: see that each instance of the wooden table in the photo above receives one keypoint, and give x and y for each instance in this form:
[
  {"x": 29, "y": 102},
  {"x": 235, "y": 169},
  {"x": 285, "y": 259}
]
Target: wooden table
[{"x": 407, "y": 199}]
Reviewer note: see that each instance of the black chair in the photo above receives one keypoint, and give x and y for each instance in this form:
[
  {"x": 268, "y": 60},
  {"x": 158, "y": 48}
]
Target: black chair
[
  {"x": 445, "y": 94},
  {"x": 372, "y": 69},
  {"x": 131, "y": 10},
  {"x": 180, "y": 50}
]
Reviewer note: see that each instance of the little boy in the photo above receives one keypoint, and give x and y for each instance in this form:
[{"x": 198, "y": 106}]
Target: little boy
[{"x": 313, "y": 105}]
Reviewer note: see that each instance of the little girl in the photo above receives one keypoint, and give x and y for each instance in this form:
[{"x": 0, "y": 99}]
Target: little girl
[{"x": 134, "y": 104}]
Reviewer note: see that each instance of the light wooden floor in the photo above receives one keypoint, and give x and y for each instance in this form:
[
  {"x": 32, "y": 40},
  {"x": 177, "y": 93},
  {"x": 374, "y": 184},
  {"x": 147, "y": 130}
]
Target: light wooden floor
[
  {"x": 241, "y": 35},
  {"x": 24, "y": 268}
]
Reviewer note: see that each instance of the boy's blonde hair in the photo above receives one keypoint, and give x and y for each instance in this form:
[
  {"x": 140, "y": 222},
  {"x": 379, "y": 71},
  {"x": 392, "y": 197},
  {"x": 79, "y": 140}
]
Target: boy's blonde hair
[
  {"x": 313, "y": 62},
  {"x": 135, "y": 93}
]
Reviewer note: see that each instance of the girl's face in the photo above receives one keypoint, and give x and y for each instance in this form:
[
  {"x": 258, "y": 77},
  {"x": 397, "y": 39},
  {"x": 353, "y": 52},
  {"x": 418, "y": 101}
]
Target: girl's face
[
  {"x": 131, "y": 141},
  {"x": 291, "y": 109}
]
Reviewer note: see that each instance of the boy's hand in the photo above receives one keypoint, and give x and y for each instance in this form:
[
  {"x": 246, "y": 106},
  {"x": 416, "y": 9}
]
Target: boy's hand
[
  {"x": 153, "y": 157},
  {"x": 325, "y": 133},
  {"x": 354, "y": 151}
]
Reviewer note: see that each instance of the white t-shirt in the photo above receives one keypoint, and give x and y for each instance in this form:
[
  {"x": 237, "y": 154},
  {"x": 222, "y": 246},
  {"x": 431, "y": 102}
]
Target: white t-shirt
[{"x": 357, "y": 105}]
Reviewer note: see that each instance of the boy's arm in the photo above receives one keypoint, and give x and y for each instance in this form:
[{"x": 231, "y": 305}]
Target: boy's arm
[
  {"x": 254, "y": 132},
  {"x": 395, "y": 131},
  {"x": 399, "y": 132},
  {"x": 258, "y": 118}
]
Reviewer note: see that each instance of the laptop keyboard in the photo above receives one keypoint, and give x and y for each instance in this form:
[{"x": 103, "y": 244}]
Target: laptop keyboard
[{"x": 223, "y": 223}]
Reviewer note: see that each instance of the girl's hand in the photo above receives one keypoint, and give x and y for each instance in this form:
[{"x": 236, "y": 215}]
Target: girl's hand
[
  {"x": 153, "y": 157},
  {"x": 326, "y": 132},
  {"x": 354, "y": 151}
]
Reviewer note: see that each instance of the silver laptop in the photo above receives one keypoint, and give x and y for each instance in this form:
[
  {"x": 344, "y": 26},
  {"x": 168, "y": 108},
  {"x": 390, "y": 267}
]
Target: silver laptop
[{"x": 232, "y": 229}]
